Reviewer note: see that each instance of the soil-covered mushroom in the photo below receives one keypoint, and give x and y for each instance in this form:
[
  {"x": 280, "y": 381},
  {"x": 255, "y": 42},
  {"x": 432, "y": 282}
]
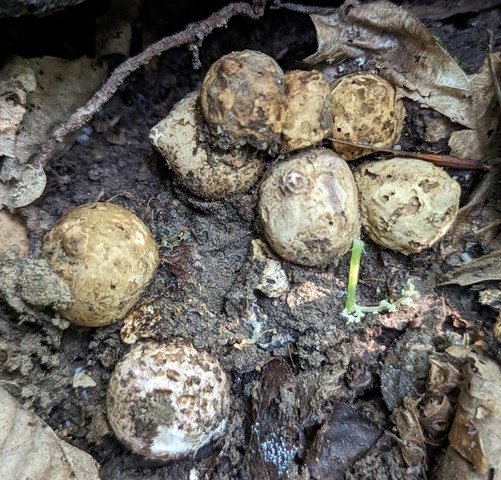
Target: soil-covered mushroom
[
  {"x": 406, "y": 204},
  {"x": 210, "y": 173},
  {"x": 366, "y": 111},
  {"x": 166, "y": 401},
  {"x": 107, "y": 256},
  {"x": 308, "y": 116},
  {"x": 242, "y": 97},
  {"x": 308, "y": 207}
]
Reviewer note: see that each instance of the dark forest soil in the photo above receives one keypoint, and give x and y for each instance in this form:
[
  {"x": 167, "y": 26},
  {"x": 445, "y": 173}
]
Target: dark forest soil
[{"x": 205, "y": 290}]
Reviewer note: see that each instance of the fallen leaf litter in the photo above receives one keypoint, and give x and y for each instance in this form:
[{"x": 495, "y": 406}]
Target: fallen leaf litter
[{"x": 411, "y": 455}]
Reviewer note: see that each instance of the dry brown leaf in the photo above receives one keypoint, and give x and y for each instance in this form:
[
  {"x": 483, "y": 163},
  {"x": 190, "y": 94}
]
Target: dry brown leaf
[
  {"x": 37, "y": 95},
  {"x": 436, "y": 416},
  {"x": 443, "y": 376},
  {"x": 411, "y": 438},
  {"x": 475, "y": 223},
  {"x": 62, "y": 87},
  {"x": 495, "y": 67},
  {"x": 29, "y": 449},
  {"x": 402, "y": 48},
  {"x": 474, "y": 450},
  {"x": 482, "y": 269},
  {"x": 476, "y": 143},
  {"x": 17, "y": 79},
  {"x": 387, "y": 38}
]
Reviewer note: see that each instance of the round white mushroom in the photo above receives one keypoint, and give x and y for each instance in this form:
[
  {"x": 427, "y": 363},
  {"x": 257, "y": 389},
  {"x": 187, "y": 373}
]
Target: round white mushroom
[
  {"x": 166, "y": 401},
  {"x": 242, "y": 97},
  {"x": 365, "y": 111},
  {"x": 308, "y": 116},
  {"x": 406, "y": 204},
  {"x": 205, "y": 171},
  {"x": 107, "y": 256},
  {"x": 308, "y": 207}
]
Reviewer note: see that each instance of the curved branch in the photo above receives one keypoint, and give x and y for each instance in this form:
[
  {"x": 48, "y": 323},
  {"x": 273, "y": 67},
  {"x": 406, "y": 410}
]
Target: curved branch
[{"x": 192, "y": 33}]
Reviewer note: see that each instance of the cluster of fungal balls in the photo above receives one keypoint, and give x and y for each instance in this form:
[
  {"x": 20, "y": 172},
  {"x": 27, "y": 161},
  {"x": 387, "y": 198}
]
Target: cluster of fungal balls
[
  {"x": 165, "y": 400},
  {"x": 310, "y": 203}
]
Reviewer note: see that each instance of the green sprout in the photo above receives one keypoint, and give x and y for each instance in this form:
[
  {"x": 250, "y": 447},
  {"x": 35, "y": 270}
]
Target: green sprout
[{"x": 354, "y": 312}]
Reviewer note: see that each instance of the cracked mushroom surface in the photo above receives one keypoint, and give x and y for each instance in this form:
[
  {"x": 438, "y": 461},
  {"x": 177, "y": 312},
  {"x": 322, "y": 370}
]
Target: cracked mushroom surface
[
  {"x": 166, "y": 401},
  {"x": 308, "y": 116},
  {"x": 107, "y": 256},
  {"x": 365, "y": 111},
  {"x": 207, "y": 172},
  {"x": 308, "y": 207},
  {"x": 242, "y": 98},
  {"x": 406, "y": 204}
]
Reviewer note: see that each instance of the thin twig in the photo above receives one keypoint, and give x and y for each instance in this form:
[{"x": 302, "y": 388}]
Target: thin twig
[
  {"x": 194, "y": 32},
  {"x": 436, "y": 159}
]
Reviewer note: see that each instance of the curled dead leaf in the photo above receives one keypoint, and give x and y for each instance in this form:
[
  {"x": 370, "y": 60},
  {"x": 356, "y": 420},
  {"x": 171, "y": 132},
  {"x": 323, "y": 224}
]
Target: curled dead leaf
[
  {"x": 482, "y": 269},
  {"x": 437, "y": 414},
  {"x": 411, "y": 438},
  {"x": 444, "y": 375},
  {"x": 474, "y": 450},
  {"x": 404, "y": 50},
  {"x": 39, "y": 94},
  {"x": 31, "y": 449},
  {"x": 389, "y": 40}
]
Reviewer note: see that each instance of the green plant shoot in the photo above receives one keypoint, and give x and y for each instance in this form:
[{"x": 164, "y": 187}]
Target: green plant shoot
[
  {"x": 356, "y": 255},
  {"x": 354, "y": 312}
]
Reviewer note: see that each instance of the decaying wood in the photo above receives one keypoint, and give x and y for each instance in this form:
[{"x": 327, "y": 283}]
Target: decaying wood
[{"x": 275, "y": 432}]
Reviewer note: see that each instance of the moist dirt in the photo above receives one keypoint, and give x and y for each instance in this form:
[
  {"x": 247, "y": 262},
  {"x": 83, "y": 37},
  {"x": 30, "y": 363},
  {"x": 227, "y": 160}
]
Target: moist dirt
[{"x": 207, "y": 289}]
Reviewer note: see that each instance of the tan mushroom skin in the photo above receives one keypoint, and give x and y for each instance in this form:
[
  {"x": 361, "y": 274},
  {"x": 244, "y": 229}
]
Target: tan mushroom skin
[
  {"x": 242, "y": 98},
  {"x": 308, "y": 207},
  {"x": 107, "y": 256},
  {"x": 204, "y": 170},
  {"x": 365, "y": 111},
  {"x": 308, "y": 116},
  {"x": 406, "y": 204}
]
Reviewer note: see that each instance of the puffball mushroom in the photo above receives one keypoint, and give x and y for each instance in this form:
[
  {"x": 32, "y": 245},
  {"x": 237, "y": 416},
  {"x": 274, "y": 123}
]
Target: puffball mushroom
[
  {"x": 366, "y": 111},
  {"x": 308, "y": 207},
  {"x": 308, "y": 116},
  {"x": 212, "y": 174},
  {"x": 405, "y": 204},
  {"x": 165, "y": 401},
  {"x": 242, "y": 98},
  {"x": 107, "y": 256}
]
